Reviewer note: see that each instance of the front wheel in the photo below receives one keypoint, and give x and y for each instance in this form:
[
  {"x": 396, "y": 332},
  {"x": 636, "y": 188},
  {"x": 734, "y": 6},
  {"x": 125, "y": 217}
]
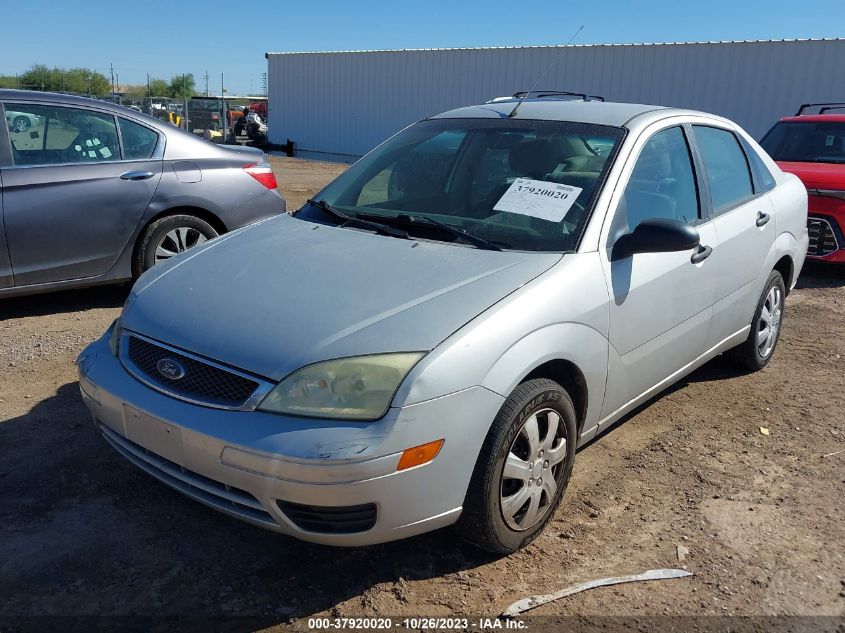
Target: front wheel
[
  {"x": 758, "y": 349},
  {"x": 169, "y": 236},
  {"x": 21, "y": 123},
  {"x": 522, "y": 470}
]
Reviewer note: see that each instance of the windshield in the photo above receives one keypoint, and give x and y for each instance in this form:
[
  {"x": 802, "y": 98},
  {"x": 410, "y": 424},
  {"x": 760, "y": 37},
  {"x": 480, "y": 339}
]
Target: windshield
[
  {"x": 810, "y": 142},
  {"x": 512, "y": 184}
]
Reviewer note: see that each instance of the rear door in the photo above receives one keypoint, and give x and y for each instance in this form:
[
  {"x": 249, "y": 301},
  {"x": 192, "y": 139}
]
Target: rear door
[
  {"x": 72, "y": 196},
  {"x": 660, "y": 303},
  {"x": 6, "y": 279},
  {"x": 745, "y": 224}
]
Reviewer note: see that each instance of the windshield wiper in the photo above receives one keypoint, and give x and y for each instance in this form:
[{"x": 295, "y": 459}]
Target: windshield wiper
[
  {"x": 356, "y": 221},
  {"x": 454, "y": 231}
]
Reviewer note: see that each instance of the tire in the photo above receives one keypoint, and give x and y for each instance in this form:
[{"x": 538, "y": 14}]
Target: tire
[
  {"x": 21, "y": 124},
  {"x": 174, "y": 234},
  {"x": 488, "y": 520},
  {"x": 752, "y": 354}
]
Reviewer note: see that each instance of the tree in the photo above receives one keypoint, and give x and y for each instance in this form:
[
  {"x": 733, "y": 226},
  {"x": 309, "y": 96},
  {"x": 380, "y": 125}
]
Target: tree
[
  {"x": 181, "y": 86},
  {"x": 81, "y": 80},
  {"x": 158, "y": 88}
]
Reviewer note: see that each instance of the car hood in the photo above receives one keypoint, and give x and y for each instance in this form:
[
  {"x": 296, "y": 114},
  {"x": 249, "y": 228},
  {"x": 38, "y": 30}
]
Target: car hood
[
  {"x": 285, "y": 293},
  {"x": 817, "y": 175}
]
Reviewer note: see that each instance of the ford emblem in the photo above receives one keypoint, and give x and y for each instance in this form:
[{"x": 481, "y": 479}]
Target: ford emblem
[{"x": 170, "y": 369}]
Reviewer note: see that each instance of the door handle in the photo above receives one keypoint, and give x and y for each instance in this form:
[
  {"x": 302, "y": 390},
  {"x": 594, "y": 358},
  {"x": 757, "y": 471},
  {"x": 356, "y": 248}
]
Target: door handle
[
  {"x": 136, "y": 175},
  {"x": 700, "y": 254},
  {"x": 762, "y": 218}
]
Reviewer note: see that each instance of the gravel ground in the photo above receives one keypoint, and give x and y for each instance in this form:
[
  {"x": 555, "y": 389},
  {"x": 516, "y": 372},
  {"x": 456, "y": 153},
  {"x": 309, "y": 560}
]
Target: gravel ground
[{"x": 760, "y": 518}]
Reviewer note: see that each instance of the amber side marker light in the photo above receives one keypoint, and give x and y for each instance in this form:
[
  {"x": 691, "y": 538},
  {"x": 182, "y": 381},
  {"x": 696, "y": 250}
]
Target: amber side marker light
[{"x": 419, "y": 455}]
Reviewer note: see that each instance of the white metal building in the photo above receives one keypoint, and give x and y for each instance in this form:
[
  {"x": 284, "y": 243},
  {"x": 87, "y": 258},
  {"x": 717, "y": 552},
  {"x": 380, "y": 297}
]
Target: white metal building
[{"x": 347, "y": 102}]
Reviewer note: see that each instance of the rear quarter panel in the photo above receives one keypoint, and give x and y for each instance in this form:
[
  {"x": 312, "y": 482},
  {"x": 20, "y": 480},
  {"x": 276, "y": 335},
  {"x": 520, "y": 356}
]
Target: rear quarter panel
[{"x": 223, "y": 188}]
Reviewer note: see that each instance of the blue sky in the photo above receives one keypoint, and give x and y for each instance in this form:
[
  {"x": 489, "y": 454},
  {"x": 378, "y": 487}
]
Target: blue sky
[{"x": 165, "y": 38}]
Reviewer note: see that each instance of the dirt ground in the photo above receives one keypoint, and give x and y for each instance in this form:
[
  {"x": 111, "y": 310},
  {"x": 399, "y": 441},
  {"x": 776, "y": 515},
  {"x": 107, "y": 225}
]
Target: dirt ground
[{"x": 82, "y": 532}]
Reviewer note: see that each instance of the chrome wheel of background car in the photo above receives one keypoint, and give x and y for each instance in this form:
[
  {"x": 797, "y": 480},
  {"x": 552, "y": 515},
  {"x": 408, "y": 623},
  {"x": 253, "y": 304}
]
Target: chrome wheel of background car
[
  {"x": 21, "y": 123},
  {"x": 177, "y": 241},
  {"x": 530, "y": 477},
  {"x": 769, "y": 324}
]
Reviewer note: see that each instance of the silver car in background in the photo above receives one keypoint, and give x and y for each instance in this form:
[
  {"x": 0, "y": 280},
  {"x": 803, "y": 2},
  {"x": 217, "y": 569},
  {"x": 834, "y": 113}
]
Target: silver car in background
[
  {"x": 92, "y": 192},
  {"x": 428, "y": 341}
]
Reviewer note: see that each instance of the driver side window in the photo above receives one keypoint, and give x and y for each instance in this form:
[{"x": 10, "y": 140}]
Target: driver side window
[
  {"x": 662, "y": 184},
  {"x": 49, "y": 135}
]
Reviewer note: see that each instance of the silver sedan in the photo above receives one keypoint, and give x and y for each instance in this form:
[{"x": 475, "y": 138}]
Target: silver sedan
[
  {"x": 92, "y": 192},
  {"x": 429, "y": 340}
]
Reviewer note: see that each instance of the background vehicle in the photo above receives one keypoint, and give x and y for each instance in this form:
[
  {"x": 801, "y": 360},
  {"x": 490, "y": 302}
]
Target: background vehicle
[
  {"x": 94, "y": 192},
  {"x": 508, "y": 291},
  {"x": 812, "y": 146},
  {"x": 20, "y": 121}
]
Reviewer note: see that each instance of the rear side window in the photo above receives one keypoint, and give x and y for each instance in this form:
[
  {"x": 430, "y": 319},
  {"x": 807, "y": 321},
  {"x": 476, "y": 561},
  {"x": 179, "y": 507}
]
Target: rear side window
[
  {"x": 763, "y": 179},
  {"x": 51, "y": 135},
  {"x": 726, "y": 167},
  {"x": 139, "y": 142}
]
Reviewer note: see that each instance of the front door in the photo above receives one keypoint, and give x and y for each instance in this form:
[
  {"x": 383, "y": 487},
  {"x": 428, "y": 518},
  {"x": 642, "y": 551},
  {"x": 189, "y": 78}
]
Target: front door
[
  {"x": 70, "y": 200},
  {"x": 660, "y": 303}
]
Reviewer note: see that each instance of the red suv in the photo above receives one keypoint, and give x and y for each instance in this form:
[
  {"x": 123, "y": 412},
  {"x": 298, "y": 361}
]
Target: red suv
[{"x": 812, "y": 146}]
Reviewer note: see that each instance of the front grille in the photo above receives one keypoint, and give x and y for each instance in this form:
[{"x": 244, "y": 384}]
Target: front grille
[
  {"x": 201, "y": 382},
  {"x": 208, "y": 491},
  {"x": 330, "y": 519},
  {"x": 822, "y": 238}
]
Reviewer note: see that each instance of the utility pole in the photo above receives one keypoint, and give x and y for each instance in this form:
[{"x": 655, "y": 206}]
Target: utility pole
[
  {"x": 205, "y": 76},
  {"x": 264, "y": 83},
  {"x": 117, "y": 81},
  {"x": 223, "y": 108},
  {"x": 148, "y": 85},
  {"x": 111, "y": 73}
]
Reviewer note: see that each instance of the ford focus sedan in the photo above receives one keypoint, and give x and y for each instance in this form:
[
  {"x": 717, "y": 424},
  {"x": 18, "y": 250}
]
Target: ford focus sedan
[
  {"x": 92, "y": 192},
  {"x": 429, "y": 340}
]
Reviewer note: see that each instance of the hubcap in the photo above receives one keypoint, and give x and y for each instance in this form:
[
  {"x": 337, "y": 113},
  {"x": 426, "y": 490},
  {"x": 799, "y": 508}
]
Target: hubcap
[
  {"x": 177, "y": 241},
  {"x": 769, "y": 324},
  {"x": 530, "y": 476}
]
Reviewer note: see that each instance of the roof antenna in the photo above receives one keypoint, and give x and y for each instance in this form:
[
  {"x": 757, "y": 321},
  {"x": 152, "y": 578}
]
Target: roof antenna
[{"x": 544, "y": 73}]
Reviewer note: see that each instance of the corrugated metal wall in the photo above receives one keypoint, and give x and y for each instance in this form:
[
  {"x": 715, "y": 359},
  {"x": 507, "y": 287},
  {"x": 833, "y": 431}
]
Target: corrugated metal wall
[{"x": 347, "y": 102}]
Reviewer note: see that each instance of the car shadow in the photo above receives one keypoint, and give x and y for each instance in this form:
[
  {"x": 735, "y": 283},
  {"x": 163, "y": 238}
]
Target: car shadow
[
  {"x": 821, "y": 275},
  {"x": 83, "y": 531},
  {"x": 111, "y": 296}
]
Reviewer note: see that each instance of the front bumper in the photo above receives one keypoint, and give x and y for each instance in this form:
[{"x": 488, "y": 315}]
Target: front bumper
[
  {"x": 826, "y": 224},
  {"x": 244, "y": 463}
]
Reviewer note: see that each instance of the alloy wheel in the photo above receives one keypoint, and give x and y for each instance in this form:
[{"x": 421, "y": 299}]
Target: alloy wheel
[
  {"x": 177, "y": 241},
  {"x": 531, "y": 471},
  {"x": 769, "y": 324}
]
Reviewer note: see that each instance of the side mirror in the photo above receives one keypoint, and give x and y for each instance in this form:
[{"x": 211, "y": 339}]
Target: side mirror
[{"x": 656, "y": 235}]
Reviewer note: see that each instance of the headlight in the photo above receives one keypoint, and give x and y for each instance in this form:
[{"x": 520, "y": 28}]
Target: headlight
[
  {"x": 114, "y": 337},
  {"x": 358, "y": 388}
]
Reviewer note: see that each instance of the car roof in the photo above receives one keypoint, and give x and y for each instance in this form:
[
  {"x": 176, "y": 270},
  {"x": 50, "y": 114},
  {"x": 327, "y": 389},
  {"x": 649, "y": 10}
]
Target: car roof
[
  {"x": 8, "y": 94},
  {"x": 814, "y": 118},
  {"x": 556, "y": 109}
]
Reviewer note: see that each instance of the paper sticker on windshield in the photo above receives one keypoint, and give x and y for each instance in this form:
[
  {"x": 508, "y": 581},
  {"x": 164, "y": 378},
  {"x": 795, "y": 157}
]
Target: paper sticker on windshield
[{"x": 540, "y": 199}]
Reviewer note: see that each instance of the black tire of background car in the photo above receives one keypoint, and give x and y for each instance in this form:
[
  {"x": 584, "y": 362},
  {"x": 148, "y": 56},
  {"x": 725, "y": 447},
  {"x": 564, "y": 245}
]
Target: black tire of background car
[
  {"x": 746, "y": 355},
  {"x": 481, "y": 522},
  {"x": 21, "y": 123},
  {"x": 145, "y": 253}
]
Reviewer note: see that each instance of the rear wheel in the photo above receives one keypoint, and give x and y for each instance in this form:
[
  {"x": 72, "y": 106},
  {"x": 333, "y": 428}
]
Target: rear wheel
[
  {"x": 21, "y": 123},
  {"x": 522, "y": 470},
  {"x": 169, "y": 236},
  {"x": 758, "y": 349}
]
